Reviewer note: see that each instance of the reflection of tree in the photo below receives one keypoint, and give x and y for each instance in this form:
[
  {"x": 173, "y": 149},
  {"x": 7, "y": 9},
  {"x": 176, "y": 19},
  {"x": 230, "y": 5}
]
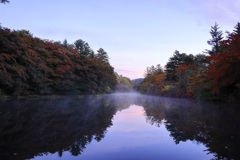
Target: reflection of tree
[
  {"x": 214, "y": 125},
  {"x": 39, "y": 126},
  {"x": 154, "y": 109},
  {"x": 34, "y": 127},
  {"x": 217, "y": 127}
]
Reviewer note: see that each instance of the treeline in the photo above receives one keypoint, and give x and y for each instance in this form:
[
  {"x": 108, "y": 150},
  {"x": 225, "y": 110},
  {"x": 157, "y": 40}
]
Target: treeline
[
  {"x": 124, "y": 84},
  {"x": 215, "y": 74},
  {"x": 31, "y": 66}
]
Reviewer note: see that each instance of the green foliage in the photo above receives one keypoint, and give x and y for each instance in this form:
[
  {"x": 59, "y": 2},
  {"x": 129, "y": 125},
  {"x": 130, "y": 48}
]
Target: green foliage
[
  {"x": 30, "y": 66},
  {"x": 84, "y": 49},
  {"x": 24, "y": 32},
  {"x": 180, "y": 79},
  {"x": 175, "y": 61},
  {"x": 153, "y": 70},
  {"x": 102, "y": 56},
  {"x": 124, "y": 84}
]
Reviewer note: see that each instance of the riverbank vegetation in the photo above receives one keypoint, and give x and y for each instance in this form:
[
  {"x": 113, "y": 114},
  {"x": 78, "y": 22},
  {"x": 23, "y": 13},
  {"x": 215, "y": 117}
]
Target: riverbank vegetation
[
  {"x": 215, "y": 74},
  {"x": 32, "y": 66},
  {"x": 124, "y": 84}
]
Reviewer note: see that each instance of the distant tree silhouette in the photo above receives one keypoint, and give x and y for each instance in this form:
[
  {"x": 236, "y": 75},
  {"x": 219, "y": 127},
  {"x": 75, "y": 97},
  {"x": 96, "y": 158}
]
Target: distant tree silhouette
[
  {"x": 237, "y": 28},
  {"x": 215, "y": 41},
  {"x": 102, "y": 55},
  {"x": 83, "y": 48},
  {"x": 65, "y": 43}
]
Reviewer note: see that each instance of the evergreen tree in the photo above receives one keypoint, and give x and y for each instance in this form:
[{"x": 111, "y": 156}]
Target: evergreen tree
[
  {"x": 102, "y": 55},
  {"x": 65, "y": 43},
  {"x": 25, "y": 32},
  {"x": 176, "y": 60},
  {"x": 201, "y": 62},
  {"x": 217, "y": 36},
  {"x": 83, "y": 48},
  {"x": 237, "y": 28}
]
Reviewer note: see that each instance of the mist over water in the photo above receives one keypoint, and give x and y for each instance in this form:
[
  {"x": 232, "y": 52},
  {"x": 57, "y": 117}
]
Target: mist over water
[{"x": 118, "y": 126}]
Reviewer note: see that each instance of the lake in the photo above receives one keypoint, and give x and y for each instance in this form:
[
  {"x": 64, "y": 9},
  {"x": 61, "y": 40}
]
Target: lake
[{"x": 119, "y": 126}]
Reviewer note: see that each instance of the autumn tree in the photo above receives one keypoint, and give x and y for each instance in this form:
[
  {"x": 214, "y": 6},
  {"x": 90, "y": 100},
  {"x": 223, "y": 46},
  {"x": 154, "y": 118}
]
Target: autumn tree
[
  {"x": 180, "y": 77},
  {"x": 217, "y": 36},
  {"x": 31, "y": 66},
  {"x": 153, "y": 84},
  {"x": 154, "y": 80},
  {"x": 200, "y": 76},
  {"x": 224, "y": 68},
  {"x": 174, "y": 61}
]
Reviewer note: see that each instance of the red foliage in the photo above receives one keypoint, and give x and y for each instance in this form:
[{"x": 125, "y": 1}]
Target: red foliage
[
  {"x": 32, "y": 66},
  {"x": 63, "y": 68},
  {"x": 224, "y": 68}
]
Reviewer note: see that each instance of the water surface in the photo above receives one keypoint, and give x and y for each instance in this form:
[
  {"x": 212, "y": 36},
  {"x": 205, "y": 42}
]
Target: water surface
[{"x": 120, "y": 126}]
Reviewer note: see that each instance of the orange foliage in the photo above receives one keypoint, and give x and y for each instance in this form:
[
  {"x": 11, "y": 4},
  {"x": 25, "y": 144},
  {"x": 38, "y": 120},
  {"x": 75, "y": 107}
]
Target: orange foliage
[
  {"x": 184, "y": 69},
  {"x": 159, "y": 80},
  {"x": 160, "y": 77}
]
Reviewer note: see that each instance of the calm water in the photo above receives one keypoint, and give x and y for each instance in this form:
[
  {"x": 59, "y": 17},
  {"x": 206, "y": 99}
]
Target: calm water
[{"x": 118, "y": 127}]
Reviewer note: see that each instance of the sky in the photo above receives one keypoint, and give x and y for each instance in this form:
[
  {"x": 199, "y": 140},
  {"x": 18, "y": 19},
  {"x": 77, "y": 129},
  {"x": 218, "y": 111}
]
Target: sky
[{"x": 135, "y": 33}]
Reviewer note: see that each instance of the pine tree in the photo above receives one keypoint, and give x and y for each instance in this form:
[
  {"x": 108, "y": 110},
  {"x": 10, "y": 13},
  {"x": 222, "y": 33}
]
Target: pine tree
[
  {"x": 215, "y": 41},
  {"x": 237, "y": 28},
  {"x": 102, "y": 55},
  {"x": 83, "y": 48},
  {"x": 65, "y": 43},
  {"x": 176, "y": 60}
]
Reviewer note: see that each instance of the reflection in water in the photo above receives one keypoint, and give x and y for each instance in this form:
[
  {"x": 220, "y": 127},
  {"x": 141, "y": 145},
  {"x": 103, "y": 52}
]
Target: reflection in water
[
  {"x": 217, "y": 126},
  {"x": 35, "y": 127}
]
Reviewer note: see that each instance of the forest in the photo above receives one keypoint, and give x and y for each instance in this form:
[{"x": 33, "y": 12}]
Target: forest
[
  {"x": 31, "y": 66},
  {"x": 212, "y": 75}
]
